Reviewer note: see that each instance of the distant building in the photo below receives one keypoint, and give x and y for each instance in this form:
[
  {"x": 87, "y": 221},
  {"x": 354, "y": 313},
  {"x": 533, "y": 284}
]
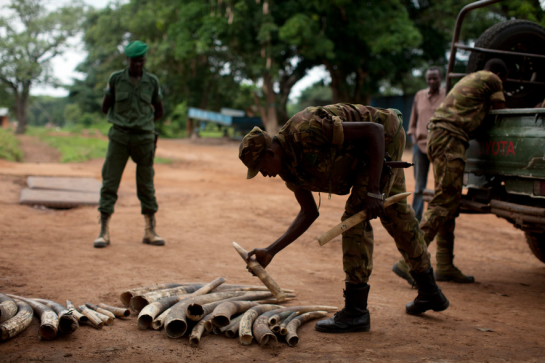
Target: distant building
[{"x": 4, "y": 117}]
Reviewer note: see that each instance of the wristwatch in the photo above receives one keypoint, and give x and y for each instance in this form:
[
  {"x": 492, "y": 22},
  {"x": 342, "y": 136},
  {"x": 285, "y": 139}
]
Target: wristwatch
[{"x": 376, "y": 196}]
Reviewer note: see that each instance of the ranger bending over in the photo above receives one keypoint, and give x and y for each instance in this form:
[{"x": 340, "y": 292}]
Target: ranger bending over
[{"x": 333, "y": 149}]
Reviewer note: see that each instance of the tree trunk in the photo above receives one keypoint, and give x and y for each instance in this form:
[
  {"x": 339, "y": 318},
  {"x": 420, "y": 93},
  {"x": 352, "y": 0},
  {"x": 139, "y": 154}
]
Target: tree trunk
[
  {"x": 21, "y": 100},
  {"x": 340, "y": 89},
  {"x": 286, "y": 84},
  {"x": 268, "y": 113}
]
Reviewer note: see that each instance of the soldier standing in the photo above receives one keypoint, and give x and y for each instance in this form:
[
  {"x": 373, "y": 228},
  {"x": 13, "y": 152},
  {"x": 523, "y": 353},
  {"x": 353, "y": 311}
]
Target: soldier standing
[
  {"x": 333, "y": 149},
  {"x": 425, "y": 103},
  {"x": 451, "y": 127},
  {"x": 133, "y": 102}
]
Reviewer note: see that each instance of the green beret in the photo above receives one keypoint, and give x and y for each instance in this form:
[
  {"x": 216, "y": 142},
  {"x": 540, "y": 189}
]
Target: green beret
[{"x": 136, "y": 49}]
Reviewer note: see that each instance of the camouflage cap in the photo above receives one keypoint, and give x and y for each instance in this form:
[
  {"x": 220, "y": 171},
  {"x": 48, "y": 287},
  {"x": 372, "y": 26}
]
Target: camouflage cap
[{"x": 252, "y": 149}]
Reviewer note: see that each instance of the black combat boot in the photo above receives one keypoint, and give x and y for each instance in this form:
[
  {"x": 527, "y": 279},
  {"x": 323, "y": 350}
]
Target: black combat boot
[
  {"x": 354, "y": 317},
  {"x": 429, "y": 296}
]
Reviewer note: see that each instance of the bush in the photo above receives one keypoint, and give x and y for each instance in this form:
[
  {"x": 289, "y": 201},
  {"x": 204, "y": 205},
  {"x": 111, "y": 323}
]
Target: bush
[{"x": 9, "y": 146}]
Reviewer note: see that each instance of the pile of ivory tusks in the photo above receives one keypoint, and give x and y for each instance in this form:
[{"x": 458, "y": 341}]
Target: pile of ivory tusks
[
  {"x": 194, "y": 309},
  {"x": 16, "y": 315}
]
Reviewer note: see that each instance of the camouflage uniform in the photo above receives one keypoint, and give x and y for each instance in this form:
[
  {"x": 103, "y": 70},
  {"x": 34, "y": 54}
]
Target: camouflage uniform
[
  {"x": 319, "y": 160},
  {"x": 460, "y": 114}
]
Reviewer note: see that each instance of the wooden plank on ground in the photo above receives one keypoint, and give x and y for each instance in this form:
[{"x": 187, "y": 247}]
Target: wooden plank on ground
[
  {"x": 89, "y": 185},
  {"x": 58, "y": 198}
]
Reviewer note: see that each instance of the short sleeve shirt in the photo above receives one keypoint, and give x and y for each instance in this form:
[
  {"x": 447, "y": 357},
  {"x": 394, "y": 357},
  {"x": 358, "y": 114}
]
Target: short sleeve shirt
[
  {"x": 468, "y": 102},
  {"x": 132, "y": 107},
  {"x": 318, "y": 158}
]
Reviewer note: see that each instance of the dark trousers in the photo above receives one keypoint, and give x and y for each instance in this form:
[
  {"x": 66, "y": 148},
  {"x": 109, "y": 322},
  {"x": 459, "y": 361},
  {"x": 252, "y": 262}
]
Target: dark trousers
[
  {"x": 421, "y": 169},
  {"x": 141, "y": 149}
]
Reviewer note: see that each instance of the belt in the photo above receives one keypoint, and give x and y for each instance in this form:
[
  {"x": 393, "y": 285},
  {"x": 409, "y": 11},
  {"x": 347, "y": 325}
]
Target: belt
[{"x": 127, "y": 130}]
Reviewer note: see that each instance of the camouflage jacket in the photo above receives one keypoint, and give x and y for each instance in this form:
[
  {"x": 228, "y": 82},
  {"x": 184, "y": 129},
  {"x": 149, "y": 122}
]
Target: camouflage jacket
[
  {"x": 317, "y": 157},
  {"x": 467, "y": 103}
]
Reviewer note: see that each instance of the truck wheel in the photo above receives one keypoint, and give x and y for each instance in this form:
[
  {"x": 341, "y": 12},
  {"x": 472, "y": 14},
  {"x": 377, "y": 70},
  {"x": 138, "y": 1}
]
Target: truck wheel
[
  {"x": 518, "y": 36},
  {"x": 536, "y": 241}
]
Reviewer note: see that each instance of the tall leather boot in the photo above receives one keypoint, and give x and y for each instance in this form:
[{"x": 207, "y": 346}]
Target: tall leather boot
[
  {"x": 150, "y": 237},
  {"x": 103, "y": 238},
  {"x": 429, "y": 296},
  {"x": 401, "y": 269},
  {"x": 446, "y": 271},
  {"x": 354, "y": 317}
]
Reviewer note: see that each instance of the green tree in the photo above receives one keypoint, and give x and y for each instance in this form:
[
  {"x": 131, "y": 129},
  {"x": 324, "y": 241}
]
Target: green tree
[
  {"x": 318, "y": 94},
  {"x": 30, "y": 37},
  {"x": 72, "y": 113}
]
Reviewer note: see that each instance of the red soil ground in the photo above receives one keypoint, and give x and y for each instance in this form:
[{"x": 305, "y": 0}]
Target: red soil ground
[{"x": 205, "y": 204}]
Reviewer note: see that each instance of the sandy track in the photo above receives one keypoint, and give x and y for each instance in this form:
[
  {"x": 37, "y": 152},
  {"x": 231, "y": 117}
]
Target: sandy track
[{"x": 205, "y": 204}]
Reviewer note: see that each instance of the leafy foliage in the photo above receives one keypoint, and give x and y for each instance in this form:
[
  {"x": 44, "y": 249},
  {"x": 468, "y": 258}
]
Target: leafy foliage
[
  {"x": 9, "y": 146},
  {"x": 30, "y": 37}
]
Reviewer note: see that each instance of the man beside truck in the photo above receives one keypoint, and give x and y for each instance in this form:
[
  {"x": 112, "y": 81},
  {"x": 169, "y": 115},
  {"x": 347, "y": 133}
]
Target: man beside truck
[{"x": 450, "y": 129}]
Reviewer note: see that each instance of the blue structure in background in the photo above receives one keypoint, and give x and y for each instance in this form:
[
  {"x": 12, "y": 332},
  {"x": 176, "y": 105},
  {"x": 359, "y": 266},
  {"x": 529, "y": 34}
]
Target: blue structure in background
[
  {"x": 402, "y": 103},
  {"x": 240, "y": 123}
]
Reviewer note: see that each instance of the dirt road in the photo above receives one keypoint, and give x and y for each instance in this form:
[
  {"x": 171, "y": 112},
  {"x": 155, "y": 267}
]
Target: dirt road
[{"x": 205, "y": 204}]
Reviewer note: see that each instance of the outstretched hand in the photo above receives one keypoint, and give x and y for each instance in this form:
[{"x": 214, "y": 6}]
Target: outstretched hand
[
  {"x": 261, "y": 255},
  {"x": 373, "y": 207}
]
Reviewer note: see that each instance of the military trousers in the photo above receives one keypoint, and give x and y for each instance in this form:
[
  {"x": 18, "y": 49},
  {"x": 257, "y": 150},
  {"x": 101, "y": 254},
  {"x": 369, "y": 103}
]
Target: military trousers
[
  {"x": 399, "y": 220},
  {"x": 140, "y": 148},
  {"x": 447, "y": 154}
]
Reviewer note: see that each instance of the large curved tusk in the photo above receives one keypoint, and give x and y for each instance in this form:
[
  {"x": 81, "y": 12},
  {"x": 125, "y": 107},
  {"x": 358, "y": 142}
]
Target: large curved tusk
[
  {"x": 68, "y": 323},
  {"x": 224, "y": 311},
  {"x": 198, "y": 330},
  {"x": 292, "y": 338},
  {"x": 248, "y": 318},
  {"x": 8, "y": 308},
  {"x": 49, "y": 321},
  {"x": 262, "y": 331},
  {"x": 18, "y": 323},
  {"x": 151, "y": 311},
  {"x": 196, "y": 311},
  {"x": 127, "y": 295},
  {"x": 176, "y": 324},
  {"x": 283, "y": 326}
]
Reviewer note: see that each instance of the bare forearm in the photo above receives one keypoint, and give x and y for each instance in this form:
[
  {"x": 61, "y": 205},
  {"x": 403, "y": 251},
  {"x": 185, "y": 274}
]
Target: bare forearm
[
  {"x": 106, "y": 104},
  {"x": 159, "y": 111},
  {"x": 299, "y": 225}
]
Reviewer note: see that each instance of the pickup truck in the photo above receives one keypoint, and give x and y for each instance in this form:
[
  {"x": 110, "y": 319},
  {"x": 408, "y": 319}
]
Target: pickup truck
[{"x": 505, "y": 169}]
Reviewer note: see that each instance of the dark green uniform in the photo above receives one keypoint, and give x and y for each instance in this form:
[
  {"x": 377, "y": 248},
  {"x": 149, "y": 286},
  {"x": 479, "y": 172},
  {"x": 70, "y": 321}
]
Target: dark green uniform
[
  {"x": 320, "y": 160},
  {"x": 132, "y": 135}
]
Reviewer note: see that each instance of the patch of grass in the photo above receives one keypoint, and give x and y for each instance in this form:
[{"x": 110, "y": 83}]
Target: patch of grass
[
  {"x": 9, "y": 146},
  {"x": 72, "y": 148},
  {"x": 159, "y": 160}
]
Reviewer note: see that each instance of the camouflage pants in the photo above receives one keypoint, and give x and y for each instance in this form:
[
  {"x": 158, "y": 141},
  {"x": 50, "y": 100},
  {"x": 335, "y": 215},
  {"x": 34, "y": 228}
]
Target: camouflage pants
[
  {"x": 447, "y": 153},
  {"x": 399, "y": 220}
]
